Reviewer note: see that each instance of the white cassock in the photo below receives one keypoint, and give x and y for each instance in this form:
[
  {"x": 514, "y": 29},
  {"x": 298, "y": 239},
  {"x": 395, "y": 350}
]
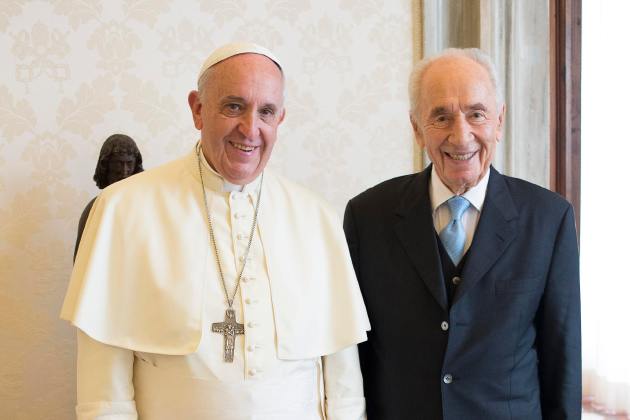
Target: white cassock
[{"x": 145, "y": 290}]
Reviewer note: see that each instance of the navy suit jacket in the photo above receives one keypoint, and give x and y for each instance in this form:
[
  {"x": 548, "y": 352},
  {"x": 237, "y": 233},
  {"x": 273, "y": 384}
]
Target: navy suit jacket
[{"x": 508, "y": 345}]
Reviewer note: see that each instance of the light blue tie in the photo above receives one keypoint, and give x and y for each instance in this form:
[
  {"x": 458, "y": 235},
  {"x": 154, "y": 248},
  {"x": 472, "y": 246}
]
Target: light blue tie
[{"x": 453, "y": 236}]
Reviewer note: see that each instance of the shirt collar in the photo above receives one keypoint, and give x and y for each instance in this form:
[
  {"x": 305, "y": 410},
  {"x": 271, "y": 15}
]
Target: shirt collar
[
  {"x": 440, "y": 192},
  {"x": 214, "y": 181}
]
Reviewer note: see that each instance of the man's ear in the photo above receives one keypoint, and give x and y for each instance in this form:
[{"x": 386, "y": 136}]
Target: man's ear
[
  {"x": 282, "y": 115},
  {"x": 500, "y": 124},
  {"x": 195, "y": 108},
  {"x": 417, "y": 131}
]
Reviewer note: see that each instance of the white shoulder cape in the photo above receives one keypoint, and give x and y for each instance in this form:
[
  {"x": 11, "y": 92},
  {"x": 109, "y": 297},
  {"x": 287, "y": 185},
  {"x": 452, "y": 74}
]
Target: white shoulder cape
[{"x": 140, "y": 273}]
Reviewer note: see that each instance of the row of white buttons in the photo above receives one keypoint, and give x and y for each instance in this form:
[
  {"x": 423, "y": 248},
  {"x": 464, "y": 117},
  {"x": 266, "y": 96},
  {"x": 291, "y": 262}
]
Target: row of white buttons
[
  {"x": 253, "y": 347},
  {"x": 242, "y": 236}
]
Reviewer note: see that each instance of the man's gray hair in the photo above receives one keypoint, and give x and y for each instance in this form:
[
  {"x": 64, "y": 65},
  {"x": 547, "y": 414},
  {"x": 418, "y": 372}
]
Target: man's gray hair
[
  {"x": 475, "y": 54},
  {"x": 202, "y": 81}
]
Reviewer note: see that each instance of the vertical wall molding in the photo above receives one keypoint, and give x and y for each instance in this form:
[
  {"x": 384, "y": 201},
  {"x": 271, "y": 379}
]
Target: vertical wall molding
[{"x": 565, "y": 129}]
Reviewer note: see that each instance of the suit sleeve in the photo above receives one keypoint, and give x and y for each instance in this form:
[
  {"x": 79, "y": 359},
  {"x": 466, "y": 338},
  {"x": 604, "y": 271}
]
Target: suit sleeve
[
  {"x": 104, "y": 381},
  {"x": 559, "y": 330}
]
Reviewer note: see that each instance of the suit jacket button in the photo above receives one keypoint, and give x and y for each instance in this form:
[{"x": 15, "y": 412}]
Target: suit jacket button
[
  {"x": 456, "y": 280},
  {"x": 448, "y": 378},
  {"x": 444, "y": 326}
]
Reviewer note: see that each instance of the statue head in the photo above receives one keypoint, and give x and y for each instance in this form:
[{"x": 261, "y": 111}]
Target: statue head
[{"x": 119, "y": 159}]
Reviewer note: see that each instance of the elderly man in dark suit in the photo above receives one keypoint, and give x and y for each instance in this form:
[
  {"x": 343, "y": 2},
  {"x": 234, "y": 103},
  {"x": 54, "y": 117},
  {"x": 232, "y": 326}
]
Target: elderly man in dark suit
[{"x": 470, "y": 277}]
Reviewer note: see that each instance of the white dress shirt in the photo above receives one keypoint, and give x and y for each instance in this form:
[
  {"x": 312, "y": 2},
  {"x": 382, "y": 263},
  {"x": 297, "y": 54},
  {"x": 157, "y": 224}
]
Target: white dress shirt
[
  {"x": 440, "y": 194},
  {"x": 119, "y": 383}
]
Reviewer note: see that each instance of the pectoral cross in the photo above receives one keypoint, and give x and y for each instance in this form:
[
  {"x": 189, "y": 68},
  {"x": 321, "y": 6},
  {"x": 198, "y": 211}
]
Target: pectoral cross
[{"x": 229, "y": 328}]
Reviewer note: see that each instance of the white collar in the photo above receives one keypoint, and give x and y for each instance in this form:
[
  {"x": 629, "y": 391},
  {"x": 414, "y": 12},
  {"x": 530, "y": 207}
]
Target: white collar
[
  {"x": 440, "y": 193},
  {"x": 216, "y": 182}
]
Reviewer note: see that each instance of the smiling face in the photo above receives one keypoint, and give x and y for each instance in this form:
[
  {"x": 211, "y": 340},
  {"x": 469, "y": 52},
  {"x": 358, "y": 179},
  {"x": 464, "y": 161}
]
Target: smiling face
[
  {"x": 239, "y": 115},
  {"x": 458, "y": 122}
]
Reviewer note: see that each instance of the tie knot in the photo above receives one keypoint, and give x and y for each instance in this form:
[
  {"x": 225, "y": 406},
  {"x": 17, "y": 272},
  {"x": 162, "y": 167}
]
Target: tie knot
[{"x": 457, "y": 205}]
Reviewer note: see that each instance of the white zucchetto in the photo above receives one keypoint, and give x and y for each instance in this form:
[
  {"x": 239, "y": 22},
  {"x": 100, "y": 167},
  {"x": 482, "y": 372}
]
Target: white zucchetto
[{"x": 236, "y": 48}]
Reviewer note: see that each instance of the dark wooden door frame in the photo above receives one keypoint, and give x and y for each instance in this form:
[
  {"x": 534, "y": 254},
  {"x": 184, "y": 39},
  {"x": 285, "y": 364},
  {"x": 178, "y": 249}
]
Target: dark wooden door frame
[{"x": 565, "y": 62}]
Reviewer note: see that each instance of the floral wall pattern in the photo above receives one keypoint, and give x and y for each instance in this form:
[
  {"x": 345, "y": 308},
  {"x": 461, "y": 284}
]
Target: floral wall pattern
[{"x": 75, "y": 71}]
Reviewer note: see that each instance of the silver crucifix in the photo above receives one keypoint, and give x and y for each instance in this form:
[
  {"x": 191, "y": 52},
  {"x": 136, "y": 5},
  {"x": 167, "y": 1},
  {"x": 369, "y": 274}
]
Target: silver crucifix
[{"x": 229, "y": 328}]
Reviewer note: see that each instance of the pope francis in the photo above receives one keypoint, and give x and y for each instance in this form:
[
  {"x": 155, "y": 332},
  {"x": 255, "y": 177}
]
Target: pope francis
[{"x": 211, "y": 288}]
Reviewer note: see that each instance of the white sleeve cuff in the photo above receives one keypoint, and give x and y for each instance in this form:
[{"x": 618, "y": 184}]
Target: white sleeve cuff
[
  {"x": 345, "y": 409},
  {"x": 343, "y": 384},
  {"x": 107, "y": 410}
]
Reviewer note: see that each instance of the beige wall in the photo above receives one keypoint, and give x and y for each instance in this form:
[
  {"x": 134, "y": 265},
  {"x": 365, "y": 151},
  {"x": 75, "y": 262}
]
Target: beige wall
[{"x": 75, "y": 71}]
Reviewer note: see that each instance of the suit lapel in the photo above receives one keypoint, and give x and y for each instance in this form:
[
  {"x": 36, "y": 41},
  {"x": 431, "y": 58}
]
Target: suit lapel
[
  {"x": 416, "y": 234},
  {"x": 495, "y": 231}
]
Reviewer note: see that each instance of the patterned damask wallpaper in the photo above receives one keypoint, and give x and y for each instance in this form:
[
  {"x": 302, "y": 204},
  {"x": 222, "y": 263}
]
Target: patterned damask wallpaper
[{"x": 75, "y": 71}]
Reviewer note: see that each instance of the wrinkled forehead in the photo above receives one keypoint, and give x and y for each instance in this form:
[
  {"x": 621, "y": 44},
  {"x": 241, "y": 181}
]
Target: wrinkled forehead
[{"x": 246, "y": 76}]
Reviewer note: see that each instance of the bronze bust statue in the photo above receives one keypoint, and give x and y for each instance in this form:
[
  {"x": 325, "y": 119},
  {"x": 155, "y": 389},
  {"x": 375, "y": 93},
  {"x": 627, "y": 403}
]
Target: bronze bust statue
[{"x": 119, "y": 159}]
